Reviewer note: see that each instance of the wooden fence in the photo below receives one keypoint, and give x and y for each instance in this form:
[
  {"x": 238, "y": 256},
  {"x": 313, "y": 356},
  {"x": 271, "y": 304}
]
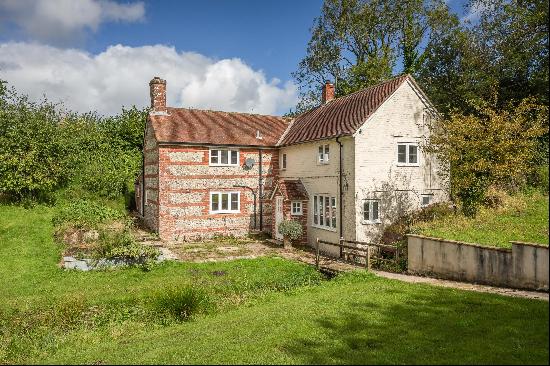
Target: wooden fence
[{"x": 363, "y": 251}]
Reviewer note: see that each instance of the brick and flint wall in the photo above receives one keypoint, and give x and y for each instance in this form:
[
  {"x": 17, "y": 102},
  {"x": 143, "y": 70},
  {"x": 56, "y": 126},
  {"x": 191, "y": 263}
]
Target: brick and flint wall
[{"x": 185, "y": 180}]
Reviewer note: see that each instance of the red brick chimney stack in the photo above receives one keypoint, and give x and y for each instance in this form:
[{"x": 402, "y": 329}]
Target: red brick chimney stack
[
  {"x": 328, "y": 92},
  {"x": 158, "y": 95}
]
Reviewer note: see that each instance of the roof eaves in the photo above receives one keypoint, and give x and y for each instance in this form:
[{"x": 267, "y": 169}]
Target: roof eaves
[{"x": 407, "y": 76}]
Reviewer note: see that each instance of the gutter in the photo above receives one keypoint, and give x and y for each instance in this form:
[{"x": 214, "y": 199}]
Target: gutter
[{"x": 340, "y": 194}]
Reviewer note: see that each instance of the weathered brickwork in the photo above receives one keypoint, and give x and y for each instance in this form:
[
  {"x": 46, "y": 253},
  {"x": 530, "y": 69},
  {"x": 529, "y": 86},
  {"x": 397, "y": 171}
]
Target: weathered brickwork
[
  {"x": 287, "y": 215},
  {"x": 185, "y": 180},
  {"x": 292, "y": 191}
]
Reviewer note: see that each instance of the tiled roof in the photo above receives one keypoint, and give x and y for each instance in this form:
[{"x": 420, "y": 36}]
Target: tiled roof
[
  {"x": 341, "y": 116},
  {"x": 292, "y": 189},
  {"x": 212, "y": 127}
]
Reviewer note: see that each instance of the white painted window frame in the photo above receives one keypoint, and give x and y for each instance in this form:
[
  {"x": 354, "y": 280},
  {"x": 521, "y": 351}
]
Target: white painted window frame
[
  {"x": 317, "y": 209},
  {"x": 324, "y": 157},
  {"x": 370, "y": 202},
  {"x": 298, "y": 204},
  {"x": 229, "y": 210},
  {"x": 283, "y": 161},
  {"x": 219, "y": 155},
  {"x": 406, "y": 163},
  {"x": 422, "y": 196}
]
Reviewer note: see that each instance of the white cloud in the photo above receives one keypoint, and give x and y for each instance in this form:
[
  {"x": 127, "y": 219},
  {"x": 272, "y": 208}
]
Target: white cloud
[
  {"x": 62, "y": 21},
  {"x": 120, "y": 76},
  {"x": 474, "y": 12}
]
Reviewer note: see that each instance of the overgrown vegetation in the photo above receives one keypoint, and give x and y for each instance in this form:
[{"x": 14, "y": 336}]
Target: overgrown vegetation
[
  {"x": 291, "y": 229},
  {"x": 44, "y": 148},
  {"x": 497, "y": 147},
  {"x": 503, "y": 218},
  {"x": 219, "y": 312},
  {"x": 90, "y": 229}
]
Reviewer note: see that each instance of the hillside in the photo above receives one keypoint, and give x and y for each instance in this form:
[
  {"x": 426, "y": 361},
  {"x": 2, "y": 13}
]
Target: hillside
[{"x": 522, "y": 217}]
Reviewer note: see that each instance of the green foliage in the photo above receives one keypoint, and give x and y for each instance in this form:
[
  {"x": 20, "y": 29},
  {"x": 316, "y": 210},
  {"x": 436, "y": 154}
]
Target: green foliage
[
  {"x": 43, "y": 148},
  {"x": 47, "y": 314},
  {"x": 85, "y": 214},
  {"x": 491, "y": 147},
  {"x": 291, "y": 229},
  {"x": 113, "y": 244},
  {"x": 357, "y": 43},
  {"x": 503, "y": 218},
  {"x": 396, "y": 232},
  {"x": 109, "y": 170},
  {"x": 32, "y": 156},
  {"x": 182, "y": 303},
  {"x": 505, "y": 52}
]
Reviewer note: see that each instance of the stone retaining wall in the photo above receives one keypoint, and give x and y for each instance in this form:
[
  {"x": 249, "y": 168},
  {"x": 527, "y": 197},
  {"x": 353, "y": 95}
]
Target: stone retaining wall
[{"x": 523, "y": 266}]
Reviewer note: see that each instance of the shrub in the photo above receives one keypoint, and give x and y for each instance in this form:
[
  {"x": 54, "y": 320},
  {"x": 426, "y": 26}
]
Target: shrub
[
  {"x": 32, "y": 157},
  {"x": 396, "y": 232},
  {"x": 291, "y": 229},
  {"x": 109, "y": 171},
  {"x": 122, "y": 245},
  {"x": 85, "y": 213},
  {"x": 491, "y": 146},
  {"x": 182, "y": 303}
]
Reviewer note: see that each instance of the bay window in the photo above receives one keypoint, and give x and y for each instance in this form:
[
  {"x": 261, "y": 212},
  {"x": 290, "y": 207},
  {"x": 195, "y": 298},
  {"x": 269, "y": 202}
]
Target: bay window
[{"x": 324, "y": 211}]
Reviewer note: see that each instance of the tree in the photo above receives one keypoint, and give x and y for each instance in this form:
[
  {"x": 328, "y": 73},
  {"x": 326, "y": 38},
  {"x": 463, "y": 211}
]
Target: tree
[
  {"x": 357, "y": 43},
  {"x": 492, "y": 146},
  {"x": 514, "y": 36},
  {"x": 31, "y": 155},
  {"x": 505, "y": 52}
]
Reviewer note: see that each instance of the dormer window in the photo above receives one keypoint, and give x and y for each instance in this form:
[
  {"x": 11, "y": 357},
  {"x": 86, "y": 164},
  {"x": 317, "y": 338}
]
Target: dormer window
[
  {"x": 224, "y": 157},
  {"x": 324, "y": 154}
]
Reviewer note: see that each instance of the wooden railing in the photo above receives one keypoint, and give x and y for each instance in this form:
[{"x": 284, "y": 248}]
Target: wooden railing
[{"x": 356, "y": 251}]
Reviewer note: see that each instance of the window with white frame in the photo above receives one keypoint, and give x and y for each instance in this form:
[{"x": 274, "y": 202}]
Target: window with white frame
[
  {"x": 283, "y": 161},
  {"x": 426, "y": 200},
  {"x": 371, "y": 211},
  {"x": 407, "y": 153},
  {"x": 296, "y": 208},
  {"x": 225, "y": 202},
  {"x": 224, "y": 157},
  {"x": 324, "y": 154},
  {"x": 324, "y": 211}
]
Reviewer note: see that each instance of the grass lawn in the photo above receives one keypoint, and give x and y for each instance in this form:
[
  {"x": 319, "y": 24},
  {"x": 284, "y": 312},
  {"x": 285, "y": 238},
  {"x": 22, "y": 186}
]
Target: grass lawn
[
  {"x": 266, "y": 310},
  {"x": 521, "y": 218}
]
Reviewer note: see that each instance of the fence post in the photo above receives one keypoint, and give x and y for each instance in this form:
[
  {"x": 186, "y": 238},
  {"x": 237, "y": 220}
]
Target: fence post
[
  {"x": 317, "y": 253},
  {"x": 368, "y": 257}
]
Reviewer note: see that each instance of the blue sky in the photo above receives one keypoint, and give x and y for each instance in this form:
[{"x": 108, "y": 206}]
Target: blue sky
[{"x": 100, "y": 54}]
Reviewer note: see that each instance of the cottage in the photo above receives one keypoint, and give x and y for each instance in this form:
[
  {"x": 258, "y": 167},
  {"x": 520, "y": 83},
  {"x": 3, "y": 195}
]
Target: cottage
[{"x": 344, "y": 169}]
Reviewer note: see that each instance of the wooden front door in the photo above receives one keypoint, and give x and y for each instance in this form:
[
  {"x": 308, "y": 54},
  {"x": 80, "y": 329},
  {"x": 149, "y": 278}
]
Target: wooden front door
[{"x": 278, "y": 216}]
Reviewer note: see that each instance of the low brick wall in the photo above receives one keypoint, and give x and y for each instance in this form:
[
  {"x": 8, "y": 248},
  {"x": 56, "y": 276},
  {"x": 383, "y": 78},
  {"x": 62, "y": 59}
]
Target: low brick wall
[{"x": 524, "y": 266}]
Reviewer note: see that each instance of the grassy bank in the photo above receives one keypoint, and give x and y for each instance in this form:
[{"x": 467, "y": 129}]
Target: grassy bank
[
  {"x": 253, "y": 311},
  {"x": 523, "y": 217}
]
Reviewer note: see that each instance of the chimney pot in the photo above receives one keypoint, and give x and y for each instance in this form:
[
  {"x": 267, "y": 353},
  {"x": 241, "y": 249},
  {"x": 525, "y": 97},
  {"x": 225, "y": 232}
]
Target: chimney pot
[
  {"x": 157, "y": 88},
  {"x": 328, "y": 92}
]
